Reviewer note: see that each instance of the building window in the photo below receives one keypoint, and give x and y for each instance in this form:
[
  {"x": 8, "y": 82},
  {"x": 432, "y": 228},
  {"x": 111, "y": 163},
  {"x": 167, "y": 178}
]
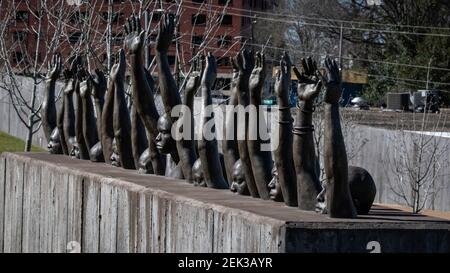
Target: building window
[
  {"x": 74, "y": 37},
  {"x": 153, "y": 37},
  {"x": 19, "y": 36},
  {"x": 197, "y": 40},
  {"x": 224, "y": 2},
  {"x": 22, "y": 16},
  {"x": 116, "y": 17},
  {"x": 221, "y": 84},
  {"x": 224, "y": 41},
  {"x": 18, "y": 57},
  {"x": 171, "y": 60},
  {"x": 224, "y": 61},
  {"x": 156, "y": 17},
  {"x": 117, "y": 39},
  {"x": 77, "y": 17},
  {"x": 227, "y": 20},
  {"x": 198, "y": 19}
]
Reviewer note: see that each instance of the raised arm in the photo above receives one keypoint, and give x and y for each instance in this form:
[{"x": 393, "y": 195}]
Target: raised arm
[
  {"x": 48, "y": 110},
  {"x": 89, "y": 122},
  {"x": 143, "y": 90},
  {"x": 245, "y": 61},
  {"x": 339, "y": 201},
  {"x": 186, "y": 145},
  {"x": 284, "y": 161},
  {"x": 169, "y": 90},
  {"x": 229, "y": 144},
  {"x": 107, "y": 127},
  {"x": 261, "y": 160},
  {"x": 209, "y": 154},
  {"x": 121, "y": 120},
  {"x": 82, "y": 145},
  {"x": 98, "y": 81},
  {"x": 305, "y": 159},
  {"x": 68, "y": 110}
]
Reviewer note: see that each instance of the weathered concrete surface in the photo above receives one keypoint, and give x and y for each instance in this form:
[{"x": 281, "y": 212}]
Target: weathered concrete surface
[{"x": 49, "y": 201}]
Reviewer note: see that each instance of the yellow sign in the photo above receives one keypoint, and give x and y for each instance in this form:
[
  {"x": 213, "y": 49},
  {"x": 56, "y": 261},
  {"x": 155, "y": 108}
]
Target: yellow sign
[{"x": 348, "y": 76}]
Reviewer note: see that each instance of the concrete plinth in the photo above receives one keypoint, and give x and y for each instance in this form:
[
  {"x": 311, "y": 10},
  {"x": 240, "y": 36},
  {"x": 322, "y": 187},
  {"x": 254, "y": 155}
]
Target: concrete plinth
[{"x": 53, "y": 203}]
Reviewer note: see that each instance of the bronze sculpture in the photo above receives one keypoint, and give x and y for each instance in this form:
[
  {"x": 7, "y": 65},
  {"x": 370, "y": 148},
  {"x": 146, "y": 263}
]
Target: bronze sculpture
[
  {"x": 284, "y": 170},
  {"x": 90, "y": 132},
  {"x": 48, "y": 110},
  {"x": 207, "y": 147},
  {"x": 121, "y": 116},
  {"x": 261, "y": 160},
  {"x": 107, "y": 128},
  {"x": 54, "y": 144},
  {"x": 138, "y": 139},
  {"x": 98, "y": 82},
  {"x": 82, "y": 145},
  {"x": 198, "y": 174},
  {"x": 276, "y": 194},
  {"x": 245, "y": 62},
  {"x": 170, "y": 94},
  {"x": 238, "y": 181},
  {"x": 229, "y": 144},
  {"x": 362, "y": 190},
  {"x": 305, "y": 159},
  {"x": 142, "y": 87},
  {"x": 68, "y": 109},
  {"x": 166, "y": 145},
  {"x": 339, "y": 201}
]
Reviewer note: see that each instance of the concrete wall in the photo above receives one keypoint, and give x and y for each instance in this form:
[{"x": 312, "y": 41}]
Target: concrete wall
[{"x": 53, "y": 203}]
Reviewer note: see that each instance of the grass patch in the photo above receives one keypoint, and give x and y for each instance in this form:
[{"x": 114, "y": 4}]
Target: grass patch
[{"x": 9, "y": 143}]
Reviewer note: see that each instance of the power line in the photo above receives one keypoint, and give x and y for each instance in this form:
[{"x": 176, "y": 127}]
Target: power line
[
  {"x": 370, "y": 75},
  {"x": 336, "y": 27},
  {"x": 332, "y": 20}
]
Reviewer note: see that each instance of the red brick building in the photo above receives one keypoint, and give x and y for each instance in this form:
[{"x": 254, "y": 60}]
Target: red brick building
[{"x": 219, "y": 26}]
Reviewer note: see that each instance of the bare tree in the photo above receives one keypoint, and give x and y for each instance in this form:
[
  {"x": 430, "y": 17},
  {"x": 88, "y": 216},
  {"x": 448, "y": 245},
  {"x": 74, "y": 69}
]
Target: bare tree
[{"x": 417, "y": 159}]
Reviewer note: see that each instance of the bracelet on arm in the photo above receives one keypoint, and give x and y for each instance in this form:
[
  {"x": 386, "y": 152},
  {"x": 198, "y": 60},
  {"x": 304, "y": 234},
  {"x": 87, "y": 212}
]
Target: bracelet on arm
[{"x": 303, "y": 130}]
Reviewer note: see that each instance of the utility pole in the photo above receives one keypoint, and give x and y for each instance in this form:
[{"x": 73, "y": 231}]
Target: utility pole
[
  {"x": 340, "y": 47},
  {"x": 146, "y": 47},
  {"x": 109, "y": 36},
  {"x": 428, "y": 73}
]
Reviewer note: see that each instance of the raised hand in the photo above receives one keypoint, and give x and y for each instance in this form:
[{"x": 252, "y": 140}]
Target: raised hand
[
  {"x": 135, "y": 36},
  {"x": 245, "y": 62},
  {"x": 85, "y": 87},
  {"x": 210, "y": 73},
  {"x": 309, "y": 84},
  {"x": 332, "y": 80},
  {"x": 194, "y": 78},
  {"x": 118, "y": 69},
  {"x": 166, "y": 33},
  {"x": 283, "y": 77},
  {"x": 54, "y": 67},
  {"x": 98, "y": 81},
  {"x": 258, "y": 73}
]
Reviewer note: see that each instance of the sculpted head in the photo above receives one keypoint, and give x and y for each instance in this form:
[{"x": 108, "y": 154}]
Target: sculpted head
[
  {"x": 73, "y": 147},
  {"x": 197, "y": 173},
  {"x": 274, "y": 186},
  {"x": 54, "y": 145},
  {"x": 115, "y": 156},
  {"x": 239, "y": 184},
  {"x": 164, "y": 141}
]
